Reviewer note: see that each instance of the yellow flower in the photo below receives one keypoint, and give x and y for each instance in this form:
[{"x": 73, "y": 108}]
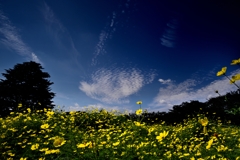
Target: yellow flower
[
  {"x": 35, "y": 146},
  {"x": 209, "y": 144},
  {"x": 59, "y": 142},
  {"x": 223, "y": 71},
  {"x": 222, "y": 148},
  {"x": 139, "y": 102},
  {"x": 45, "y": 126},
  {"x": 150, "y": 130},
  {"x": 49, "y": 113},
  {"x": 204, "y": 121},
  {"x": 162, "y": 135},
  {"x": 43, "y": 149},
  {"x": 19, "y": 105},
  {"x": 52, "y": 151},
  {"x": 237, "y": 61},
  {"x": 236, "y": 77},
  {"x": 72, "y": 112},
  {"x": 116, "y": 143},
  {"x": 23, "y": 158},
  {"x": 139, "y": 111},
  {"x": 137, "y": 123},
  {"x": 11, "y": 154},
  {"x": 29, "y": 110},
  {"x": 81, "y": 145}
]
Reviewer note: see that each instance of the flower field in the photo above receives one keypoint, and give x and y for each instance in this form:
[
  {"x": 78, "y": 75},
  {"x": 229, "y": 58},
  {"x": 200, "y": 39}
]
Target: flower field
[{"x": 102, "y": 135}]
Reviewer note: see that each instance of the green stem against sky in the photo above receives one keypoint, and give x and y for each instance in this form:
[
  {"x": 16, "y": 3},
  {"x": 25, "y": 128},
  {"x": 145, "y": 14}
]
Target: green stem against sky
[{"x": 231, "y": 81}]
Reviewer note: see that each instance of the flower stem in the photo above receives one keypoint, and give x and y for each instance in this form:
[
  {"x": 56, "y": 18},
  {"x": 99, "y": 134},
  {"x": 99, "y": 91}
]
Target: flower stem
[{"x": 231, "y": 81}]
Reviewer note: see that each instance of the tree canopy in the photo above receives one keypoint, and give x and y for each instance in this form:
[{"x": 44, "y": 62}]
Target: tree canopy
[{"x": 26, "y": 84}]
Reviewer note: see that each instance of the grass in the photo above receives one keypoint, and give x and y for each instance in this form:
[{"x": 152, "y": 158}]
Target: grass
[{"x": 102, "y": 135}]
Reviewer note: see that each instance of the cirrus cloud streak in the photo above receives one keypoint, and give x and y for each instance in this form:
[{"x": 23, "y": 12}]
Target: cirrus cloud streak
[{"x": 12, "y": 40}]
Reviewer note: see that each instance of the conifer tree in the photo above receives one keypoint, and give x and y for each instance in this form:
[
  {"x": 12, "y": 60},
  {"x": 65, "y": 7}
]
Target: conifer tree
[{"x": 25, "y": 84}]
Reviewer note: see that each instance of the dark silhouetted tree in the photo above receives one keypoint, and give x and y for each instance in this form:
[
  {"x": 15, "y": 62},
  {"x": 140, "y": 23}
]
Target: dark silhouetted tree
[{"x": 25, "y": 84}]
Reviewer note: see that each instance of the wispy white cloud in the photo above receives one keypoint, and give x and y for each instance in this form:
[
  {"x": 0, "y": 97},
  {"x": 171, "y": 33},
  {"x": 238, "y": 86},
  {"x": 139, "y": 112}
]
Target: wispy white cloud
[
  {"x": 175, "y": 94},
  {"x": 12, "y": 40},
  {"x": 105, "y": 34},
  {"x": 52, "y": 21},
  {"x": 169, "y": 36},
  {"x": 61, "y": 95},
  {"x": 61, "y": 36},
  {"x": 115, "y": 85},
  {"x": 117, "y": 18},
  {"x": 164, "y": 81}
]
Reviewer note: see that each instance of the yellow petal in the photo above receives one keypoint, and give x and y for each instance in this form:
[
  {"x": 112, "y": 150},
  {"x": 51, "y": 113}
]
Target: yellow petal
[
  {"x": 220, "y": 73},
  {"x": 236, "y": 77},
  {"x": 224, "y": 69},
  {"x": 139, "y": 111},
  {"x": 237, "y": 61},
  {"x": 139, "y": 102}
]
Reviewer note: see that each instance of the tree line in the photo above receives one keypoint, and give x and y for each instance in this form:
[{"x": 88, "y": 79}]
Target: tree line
[{"x": 217, "y": 108}]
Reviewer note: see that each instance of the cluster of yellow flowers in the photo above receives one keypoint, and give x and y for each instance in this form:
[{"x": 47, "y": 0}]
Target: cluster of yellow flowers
[{"x": 235, "y": 77}]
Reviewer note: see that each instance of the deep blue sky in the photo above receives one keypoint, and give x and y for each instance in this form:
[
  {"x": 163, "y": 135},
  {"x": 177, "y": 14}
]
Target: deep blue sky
[{"x": 112, "y": 53}]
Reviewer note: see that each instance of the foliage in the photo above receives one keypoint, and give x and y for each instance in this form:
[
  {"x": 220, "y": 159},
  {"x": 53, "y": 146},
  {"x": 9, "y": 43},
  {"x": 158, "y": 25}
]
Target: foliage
[
  {"x": 106, "y": 135},
  {"x": 25, "y": 84}
]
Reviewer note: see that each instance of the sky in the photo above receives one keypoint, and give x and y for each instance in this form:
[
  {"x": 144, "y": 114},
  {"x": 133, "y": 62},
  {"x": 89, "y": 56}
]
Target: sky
[{"x": 112, "y": 53}]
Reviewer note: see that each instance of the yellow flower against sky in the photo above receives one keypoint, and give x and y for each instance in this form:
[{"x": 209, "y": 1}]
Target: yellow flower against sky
[
  {"x": 234, "y": 62},
  {"x": 222, "y": 72},
  {"x": 139, "y": 102},
  {"x": 235, "y": 77}
]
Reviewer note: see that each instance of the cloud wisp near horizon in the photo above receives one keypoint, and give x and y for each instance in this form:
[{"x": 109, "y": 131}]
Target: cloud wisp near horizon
[{"x": 175, "y": 94}]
